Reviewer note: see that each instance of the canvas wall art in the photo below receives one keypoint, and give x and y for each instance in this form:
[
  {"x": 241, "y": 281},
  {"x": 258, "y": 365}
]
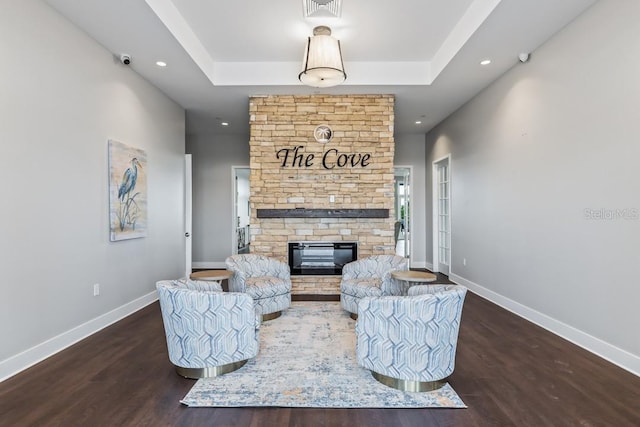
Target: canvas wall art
[{"x": 127, "y": 191}]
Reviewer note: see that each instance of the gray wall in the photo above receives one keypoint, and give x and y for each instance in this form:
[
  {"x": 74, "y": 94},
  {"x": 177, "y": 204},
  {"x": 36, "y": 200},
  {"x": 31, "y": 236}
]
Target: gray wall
[
  {"x": 213, "y": 156},
  {"x": 410, "y": 151},
  {"x": 550, "y": 140},
  {"x": 62, "y": 96}
]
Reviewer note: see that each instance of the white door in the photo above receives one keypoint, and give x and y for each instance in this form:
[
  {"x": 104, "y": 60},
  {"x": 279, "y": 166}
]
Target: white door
[
  {"x": 442, "y": 216},
  {"x": 187, "y": 215}
]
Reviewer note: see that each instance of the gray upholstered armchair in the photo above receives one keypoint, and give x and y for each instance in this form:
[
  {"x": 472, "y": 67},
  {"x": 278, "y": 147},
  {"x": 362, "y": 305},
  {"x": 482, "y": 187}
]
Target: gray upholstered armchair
[
  {"x": 267, "y": 280},
  {"x": 409, "y": 342},
  {"x": 370, "y": 276},
  {"x": 208, "y": 333}
]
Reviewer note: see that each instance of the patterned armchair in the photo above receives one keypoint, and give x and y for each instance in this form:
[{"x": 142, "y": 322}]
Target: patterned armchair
[
  {"x": 368, "y": 277},
  {"x": 409, "y": 342},
  {"x": 209, "y": 333},
  {"x": 266, "y": 280}
]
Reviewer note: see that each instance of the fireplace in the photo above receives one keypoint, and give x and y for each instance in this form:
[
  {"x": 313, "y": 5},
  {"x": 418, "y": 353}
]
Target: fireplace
[{"x": 320, "y": 258}]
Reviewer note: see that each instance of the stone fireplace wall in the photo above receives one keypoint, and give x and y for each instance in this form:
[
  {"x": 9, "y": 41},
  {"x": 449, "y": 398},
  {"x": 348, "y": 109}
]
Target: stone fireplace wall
[{"x": 290, "y": 169}]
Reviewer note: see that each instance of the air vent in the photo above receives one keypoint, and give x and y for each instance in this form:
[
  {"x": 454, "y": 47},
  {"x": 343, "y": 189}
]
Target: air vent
[{"x": 322, "y": 8}]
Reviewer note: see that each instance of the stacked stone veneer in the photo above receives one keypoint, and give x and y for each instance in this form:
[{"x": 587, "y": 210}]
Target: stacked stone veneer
[{"x": 362, "y": 125}]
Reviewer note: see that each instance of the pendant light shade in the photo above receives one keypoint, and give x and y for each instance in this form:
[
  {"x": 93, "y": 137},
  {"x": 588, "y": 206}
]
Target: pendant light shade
[{"x": 322, "y": 65}]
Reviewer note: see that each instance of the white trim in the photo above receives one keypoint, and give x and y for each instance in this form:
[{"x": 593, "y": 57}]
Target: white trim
[
  {"x": 209, "y": 265},
  {"x": 435, "y": 239},
  {"x": 475, "y": 15},
  {"x": 421, "y": 264},
  {"x": 21, "y": 361},
  {"x": 234, "y": 211},
  {"x": 613, "y": 354},
  {"x": 171, "y": 17},
  {"x": 284, "y": 73}
]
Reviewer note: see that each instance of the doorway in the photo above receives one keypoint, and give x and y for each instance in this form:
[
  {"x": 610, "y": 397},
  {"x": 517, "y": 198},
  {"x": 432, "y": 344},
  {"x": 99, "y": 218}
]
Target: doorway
[
  {"x": 403, "y": 219},
  {"x": 442, "y": 215},
  {"x": 188, "y": 215},
  {"x": 241, "y": 237}
]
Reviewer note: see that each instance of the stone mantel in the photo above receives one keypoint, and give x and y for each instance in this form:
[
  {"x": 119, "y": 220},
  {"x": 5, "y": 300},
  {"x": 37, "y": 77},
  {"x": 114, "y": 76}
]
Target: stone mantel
[{"x": 322, "y": 213}]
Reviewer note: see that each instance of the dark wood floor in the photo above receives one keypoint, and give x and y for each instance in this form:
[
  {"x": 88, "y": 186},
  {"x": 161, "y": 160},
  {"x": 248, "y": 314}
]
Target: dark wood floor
[{"x": 508, "y": 371}]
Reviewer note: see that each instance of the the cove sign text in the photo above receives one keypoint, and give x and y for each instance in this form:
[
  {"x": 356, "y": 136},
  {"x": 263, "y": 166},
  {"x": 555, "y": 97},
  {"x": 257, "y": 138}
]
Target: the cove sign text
[{"x": 332, "y": 158}]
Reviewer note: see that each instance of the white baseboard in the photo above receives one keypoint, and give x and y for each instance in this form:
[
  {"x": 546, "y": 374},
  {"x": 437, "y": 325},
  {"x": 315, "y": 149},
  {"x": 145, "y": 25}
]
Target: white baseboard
[
  {"x": 613, "y": 354},
  {"x": 21, "y": 361},
  {"x": 420, "y": 264},
  {"x": 208, "y": 265}
]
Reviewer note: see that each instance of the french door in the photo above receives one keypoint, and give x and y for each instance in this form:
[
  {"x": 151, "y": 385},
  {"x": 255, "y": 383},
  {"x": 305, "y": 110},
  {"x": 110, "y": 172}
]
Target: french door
[
  {"x": 403, "y": 211},
  {"x": 442, "y": 215}
]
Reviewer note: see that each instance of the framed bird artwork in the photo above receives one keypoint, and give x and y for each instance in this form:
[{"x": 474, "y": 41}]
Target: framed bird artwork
[{"x": 127, "y": 191}]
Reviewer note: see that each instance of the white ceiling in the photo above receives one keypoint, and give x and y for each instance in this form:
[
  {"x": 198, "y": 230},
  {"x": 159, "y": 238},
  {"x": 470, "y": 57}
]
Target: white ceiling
[{"x": 425, "y": 52}]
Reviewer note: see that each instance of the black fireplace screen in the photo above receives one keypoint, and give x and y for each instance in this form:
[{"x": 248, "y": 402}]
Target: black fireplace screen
[{"x": 320, "y": 258}]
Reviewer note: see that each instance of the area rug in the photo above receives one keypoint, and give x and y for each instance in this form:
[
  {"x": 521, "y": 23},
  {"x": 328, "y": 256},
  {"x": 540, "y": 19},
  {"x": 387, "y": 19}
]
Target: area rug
[{"x": 307, "y": 359}]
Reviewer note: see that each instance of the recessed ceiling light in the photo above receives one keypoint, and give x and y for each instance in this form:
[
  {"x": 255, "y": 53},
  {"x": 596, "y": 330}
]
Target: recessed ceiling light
[
  {"x": 224, "y": 124},
  {"x": 418, "y": 122},
  {"x": 161, "y": 64},
  {"x": 485, "y": 62}
]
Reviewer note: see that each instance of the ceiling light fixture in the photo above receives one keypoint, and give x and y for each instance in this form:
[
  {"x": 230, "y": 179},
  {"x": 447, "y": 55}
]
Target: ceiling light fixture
[
  {"x": 224, "y": 124},
  {"x": 323, "y": 66},
  {"x": 161, "y": 63},
  {"x": 485, "y": 62}
]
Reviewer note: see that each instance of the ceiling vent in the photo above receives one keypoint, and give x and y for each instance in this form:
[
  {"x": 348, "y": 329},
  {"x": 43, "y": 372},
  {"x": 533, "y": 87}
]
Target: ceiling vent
[{"x": 322, "y": 8}]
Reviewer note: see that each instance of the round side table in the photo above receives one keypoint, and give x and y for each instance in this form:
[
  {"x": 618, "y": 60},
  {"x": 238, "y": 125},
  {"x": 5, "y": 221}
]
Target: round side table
[
  {"x": 212, "y": 275},
  {"x": 412, "y": 277}
]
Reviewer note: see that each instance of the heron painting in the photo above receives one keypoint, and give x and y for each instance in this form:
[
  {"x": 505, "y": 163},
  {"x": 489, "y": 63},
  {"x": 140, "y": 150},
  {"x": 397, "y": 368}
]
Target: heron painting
[{"x": 127, "y": 191}]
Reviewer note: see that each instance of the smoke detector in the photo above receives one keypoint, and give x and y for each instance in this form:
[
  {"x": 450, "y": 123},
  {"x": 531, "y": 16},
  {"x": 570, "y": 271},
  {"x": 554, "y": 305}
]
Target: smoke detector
[{"x": 322, "y": 8}]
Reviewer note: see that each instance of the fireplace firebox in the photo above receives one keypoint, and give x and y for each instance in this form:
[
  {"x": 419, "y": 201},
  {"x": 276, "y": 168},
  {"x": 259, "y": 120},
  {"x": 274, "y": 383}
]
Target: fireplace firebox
[{"x": 320, "y": 258}]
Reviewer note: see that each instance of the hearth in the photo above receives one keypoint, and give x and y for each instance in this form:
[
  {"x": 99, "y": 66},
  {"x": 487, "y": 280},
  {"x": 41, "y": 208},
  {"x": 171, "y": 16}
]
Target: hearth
[{"x": 320, "y": 258}]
